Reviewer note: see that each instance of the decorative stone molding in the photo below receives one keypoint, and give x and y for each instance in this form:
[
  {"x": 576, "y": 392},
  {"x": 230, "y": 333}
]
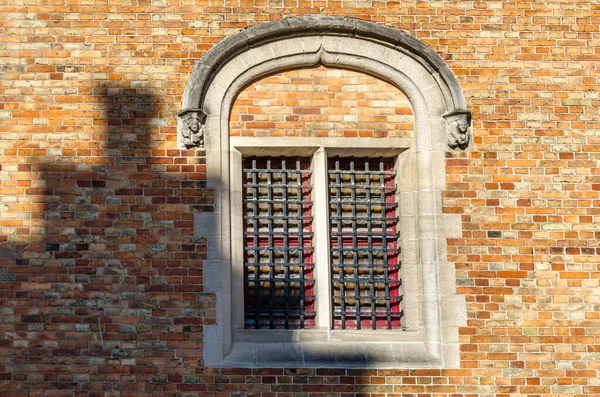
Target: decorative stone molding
[
  {"x": 459, "y": 128},
  {"x": 431, "y": 338},
  {"x": 190, "y": 126},
  {"x": 328, "y": 41}
]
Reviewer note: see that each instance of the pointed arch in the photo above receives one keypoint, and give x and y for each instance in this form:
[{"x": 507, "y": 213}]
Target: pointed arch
[{"x": 386, "y": 53}]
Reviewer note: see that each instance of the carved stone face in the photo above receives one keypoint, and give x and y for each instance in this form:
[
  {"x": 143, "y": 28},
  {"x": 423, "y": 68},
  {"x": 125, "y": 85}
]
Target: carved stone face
[
  {"x": 192, "y": 124},
  {"x": 458, "y": 134},
  {"x": 462, "y": 128},
  {"x": 192, "y": 134}
]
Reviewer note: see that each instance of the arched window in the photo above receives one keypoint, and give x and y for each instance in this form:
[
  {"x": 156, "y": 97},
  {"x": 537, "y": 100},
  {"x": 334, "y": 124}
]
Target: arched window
[{"x": 280, "y": 230}]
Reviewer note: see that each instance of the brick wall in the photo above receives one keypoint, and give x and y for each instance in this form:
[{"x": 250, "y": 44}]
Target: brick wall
[
  {"x": 322, "y": 102},
  {"x": 101, "y": 277}
]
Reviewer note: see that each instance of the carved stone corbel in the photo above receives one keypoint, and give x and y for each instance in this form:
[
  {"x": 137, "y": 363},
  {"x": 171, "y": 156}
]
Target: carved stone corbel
[
  {"x": 191, "y": 133},
  {"x": 459, "y": 129}
]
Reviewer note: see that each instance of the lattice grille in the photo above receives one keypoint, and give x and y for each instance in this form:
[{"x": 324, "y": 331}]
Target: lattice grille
[
  {"x": 278, "y": 271},
  {"x": 364, "y": 248}
]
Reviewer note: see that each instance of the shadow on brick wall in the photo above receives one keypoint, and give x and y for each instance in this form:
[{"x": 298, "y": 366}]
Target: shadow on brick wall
[{"x": 102, "y": 284}]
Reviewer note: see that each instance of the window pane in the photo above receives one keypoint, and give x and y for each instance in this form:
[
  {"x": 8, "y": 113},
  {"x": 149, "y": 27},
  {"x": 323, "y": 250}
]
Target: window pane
[
  {"x": 364, "y": 244},
  {"x": 278, "y": 252}
]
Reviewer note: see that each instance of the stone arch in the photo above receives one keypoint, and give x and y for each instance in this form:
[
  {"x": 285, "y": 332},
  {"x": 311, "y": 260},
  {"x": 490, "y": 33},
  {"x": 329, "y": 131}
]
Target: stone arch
[
  {"x": 386, "y": 53},
  {"x": 441, "y": 124}
]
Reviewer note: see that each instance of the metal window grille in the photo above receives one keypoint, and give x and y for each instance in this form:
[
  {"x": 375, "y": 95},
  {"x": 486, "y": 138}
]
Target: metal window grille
[
  {"x": 278, "y": 248},
  {"x": 364, "y": 244}
]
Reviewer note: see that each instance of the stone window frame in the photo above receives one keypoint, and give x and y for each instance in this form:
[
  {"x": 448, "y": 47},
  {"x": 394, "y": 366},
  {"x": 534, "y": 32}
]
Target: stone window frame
[{"x": 441, "y": 124}]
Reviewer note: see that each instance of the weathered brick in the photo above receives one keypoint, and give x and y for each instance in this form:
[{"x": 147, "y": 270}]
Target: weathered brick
[{"x": 101, "y": 277}]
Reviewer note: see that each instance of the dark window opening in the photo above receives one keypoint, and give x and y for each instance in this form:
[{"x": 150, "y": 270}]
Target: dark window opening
[
  {"x": 364, "y": 244},
  {"x": 278, "y": 247},
  {"x": 279, "y": 267}
]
